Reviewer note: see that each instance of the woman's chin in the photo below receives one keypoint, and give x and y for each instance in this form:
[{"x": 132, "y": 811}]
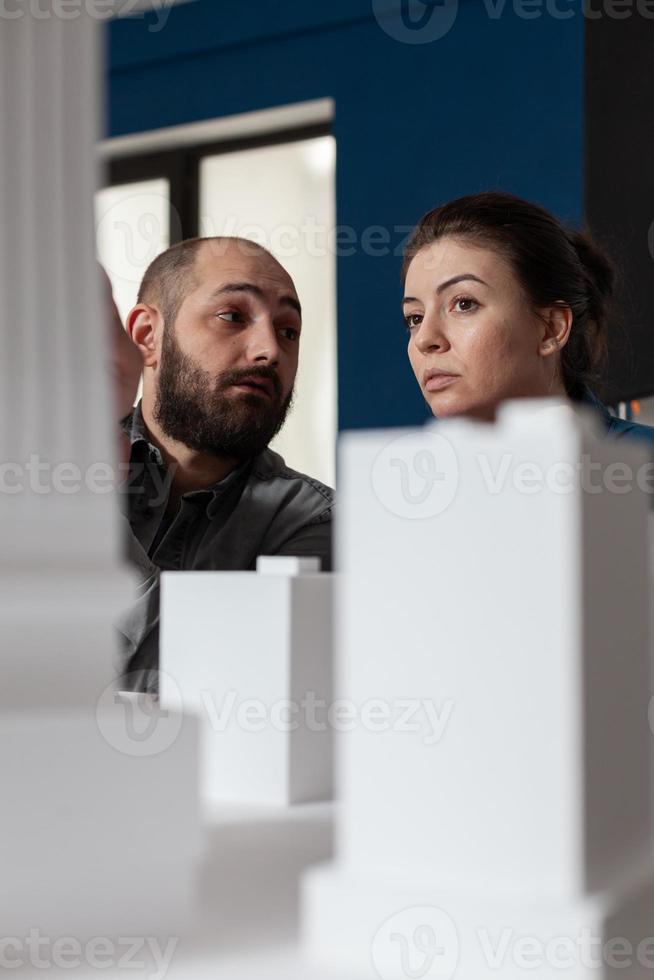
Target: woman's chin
[{"x": 445, "y": 405}]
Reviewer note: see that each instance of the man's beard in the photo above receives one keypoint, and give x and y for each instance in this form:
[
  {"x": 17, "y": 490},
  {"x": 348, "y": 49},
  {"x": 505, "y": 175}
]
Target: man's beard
[{"x": 195, "y": 408}]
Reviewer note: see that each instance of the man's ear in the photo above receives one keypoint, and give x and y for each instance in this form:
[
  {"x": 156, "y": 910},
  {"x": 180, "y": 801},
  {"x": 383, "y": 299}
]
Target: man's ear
[
  {"x": 557, "y": 324},
  {"x": 144, "y": 325}
]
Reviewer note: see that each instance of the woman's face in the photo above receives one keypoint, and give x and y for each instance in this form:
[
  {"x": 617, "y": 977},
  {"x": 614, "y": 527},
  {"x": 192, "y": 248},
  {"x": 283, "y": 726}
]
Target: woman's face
[{"x": 474, "y": 340}]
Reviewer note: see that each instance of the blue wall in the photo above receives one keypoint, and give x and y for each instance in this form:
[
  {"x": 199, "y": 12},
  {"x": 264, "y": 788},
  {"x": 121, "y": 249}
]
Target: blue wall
[{"x": 496, "y": 102}]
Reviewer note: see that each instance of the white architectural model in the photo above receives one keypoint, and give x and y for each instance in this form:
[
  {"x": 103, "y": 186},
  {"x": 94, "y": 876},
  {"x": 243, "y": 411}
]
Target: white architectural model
[
  {"x": 96, "y": 820},
  {"x": 250, "y": 653},
  {"x": 494, "y": 750},
  {"x": 500, "y": 574}
]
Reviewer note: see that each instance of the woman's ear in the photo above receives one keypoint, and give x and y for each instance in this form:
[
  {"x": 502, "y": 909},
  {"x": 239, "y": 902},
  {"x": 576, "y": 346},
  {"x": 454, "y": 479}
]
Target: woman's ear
[
  {"x": 557, "y": 324},
  {"x": 143, "y": 325}
]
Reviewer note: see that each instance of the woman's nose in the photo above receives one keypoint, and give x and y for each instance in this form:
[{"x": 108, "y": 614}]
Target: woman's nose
[{"x": 431, "y": 336}]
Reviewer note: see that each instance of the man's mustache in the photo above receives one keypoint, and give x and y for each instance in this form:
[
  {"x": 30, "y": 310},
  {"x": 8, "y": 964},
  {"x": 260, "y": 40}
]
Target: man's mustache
[{"x": 229, "y": 378}]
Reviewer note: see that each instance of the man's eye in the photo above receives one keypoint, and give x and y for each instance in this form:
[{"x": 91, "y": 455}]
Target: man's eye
[
  {"x": 464, "y": 304},
  {"x": 290, "y": 333},
  {"x": 413, "y": 320},
  {"x": 231, "y": 317}
]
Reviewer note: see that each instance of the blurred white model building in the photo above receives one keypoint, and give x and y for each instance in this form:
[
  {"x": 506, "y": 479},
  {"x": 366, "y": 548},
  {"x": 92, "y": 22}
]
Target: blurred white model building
[
  {"x": 92, "y": 828},
  {"x": 499, "y": 572}
]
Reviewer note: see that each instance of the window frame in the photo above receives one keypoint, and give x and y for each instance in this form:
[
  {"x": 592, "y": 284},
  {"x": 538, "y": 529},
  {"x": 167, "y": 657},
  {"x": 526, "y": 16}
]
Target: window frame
[{"x": 181, "y": 166}]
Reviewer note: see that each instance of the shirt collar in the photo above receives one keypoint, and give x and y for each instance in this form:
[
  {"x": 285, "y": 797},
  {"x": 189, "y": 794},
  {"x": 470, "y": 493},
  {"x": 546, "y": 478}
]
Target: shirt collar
[
  {"x": 587, "y": 397},
  {"x": 135, "y": 428}
]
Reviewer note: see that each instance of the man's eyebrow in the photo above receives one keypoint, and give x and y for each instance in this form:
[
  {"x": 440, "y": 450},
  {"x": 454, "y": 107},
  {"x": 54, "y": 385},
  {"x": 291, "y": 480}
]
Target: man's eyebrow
[
  {"x": 449, "y": 282},
  {"x": 249, "y": 287}
]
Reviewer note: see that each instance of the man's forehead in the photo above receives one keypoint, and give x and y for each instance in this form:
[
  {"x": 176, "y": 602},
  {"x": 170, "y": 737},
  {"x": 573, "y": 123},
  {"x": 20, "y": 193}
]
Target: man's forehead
[{"x": 240, "y": 261}]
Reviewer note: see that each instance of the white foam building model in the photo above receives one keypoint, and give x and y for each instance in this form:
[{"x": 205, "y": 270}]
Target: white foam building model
[
  {"x": 493, "y": 618},
  {"x": 91, "y": 831},
  {"x": 493, "y": 678},
  {"x": 250, "y": 655}
]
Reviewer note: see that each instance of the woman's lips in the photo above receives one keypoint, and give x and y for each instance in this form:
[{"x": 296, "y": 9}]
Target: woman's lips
[{"x": 439, "y": 381}]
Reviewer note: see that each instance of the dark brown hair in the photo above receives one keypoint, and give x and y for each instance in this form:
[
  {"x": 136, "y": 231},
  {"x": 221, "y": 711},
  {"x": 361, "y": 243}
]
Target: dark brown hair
[{"x": 554, "y": 265}]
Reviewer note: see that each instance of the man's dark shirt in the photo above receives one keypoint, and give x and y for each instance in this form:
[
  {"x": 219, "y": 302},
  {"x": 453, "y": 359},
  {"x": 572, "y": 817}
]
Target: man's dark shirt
[{"x": 261, "y": 508}]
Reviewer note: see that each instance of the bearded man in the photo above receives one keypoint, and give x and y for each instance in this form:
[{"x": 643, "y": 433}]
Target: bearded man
[{"x": 218, "y": 324}]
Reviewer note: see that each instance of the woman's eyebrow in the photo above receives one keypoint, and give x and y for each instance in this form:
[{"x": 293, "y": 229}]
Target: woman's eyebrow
[
  {"x": 448, "y": 282},
  {"x": 455, "y": 279}
]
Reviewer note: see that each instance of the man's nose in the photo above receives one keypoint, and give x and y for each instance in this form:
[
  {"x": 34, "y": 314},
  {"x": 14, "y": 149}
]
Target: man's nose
[
  {"x": 431, "y": 335},
  {"x": 263, "y": 346}
]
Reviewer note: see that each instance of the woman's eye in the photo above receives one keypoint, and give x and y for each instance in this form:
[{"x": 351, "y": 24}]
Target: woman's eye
[
  {"x": 413, "y": 320},
  {"x": 464, "y": 304}
]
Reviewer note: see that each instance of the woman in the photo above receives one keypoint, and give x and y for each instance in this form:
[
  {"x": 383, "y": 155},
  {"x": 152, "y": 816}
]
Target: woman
[{"x": 502, "y": 301}]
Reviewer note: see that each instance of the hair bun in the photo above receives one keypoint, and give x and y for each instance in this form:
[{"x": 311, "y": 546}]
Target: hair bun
[
  {"x": 598, "y": 268},
  {"x": 600, "y": 277}
]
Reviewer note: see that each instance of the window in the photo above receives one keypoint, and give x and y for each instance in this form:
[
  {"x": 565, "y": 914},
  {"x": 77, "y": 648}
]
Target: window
[{"x": 133, "y": 227}]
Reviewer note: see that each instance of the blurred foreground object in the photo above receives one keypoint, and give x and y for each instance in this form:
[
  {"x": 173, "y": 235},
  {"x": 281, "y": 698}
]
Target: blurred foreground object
[
  {"x": 89, "y": 839},
  {"x": 494, "y": 579}
]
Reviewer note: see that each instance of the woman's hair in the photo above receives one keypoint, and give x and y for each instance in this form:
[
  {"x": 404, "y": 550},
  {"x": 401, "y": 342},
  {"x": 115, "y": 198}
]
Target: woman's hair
[{"x": 554, "y": 265}]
